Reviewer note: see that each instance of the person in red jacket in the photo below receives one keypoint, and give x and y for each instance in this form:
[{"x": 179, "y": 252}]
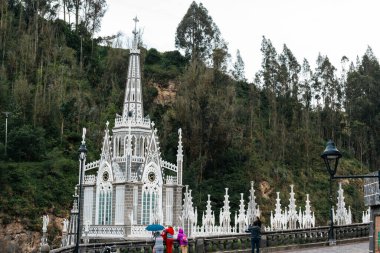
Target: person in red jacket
[{"x": 168, "y": 235}]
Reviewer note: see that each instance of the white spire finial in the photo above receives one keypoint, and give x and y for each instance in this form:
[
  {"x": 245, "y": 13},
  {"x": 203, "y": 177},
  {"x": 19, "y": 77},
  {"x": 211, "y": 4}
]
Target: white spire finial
[
  {"x": 45, "y": 222},
  {"x": 65, "y": 223},
  {"x": 84, "y": 135},
  {"x": 180, "y": 148},
  {"x": 136, "y": 20},
  {"x": 134, "y": 46},
  {"x": 107, "y": 123}
]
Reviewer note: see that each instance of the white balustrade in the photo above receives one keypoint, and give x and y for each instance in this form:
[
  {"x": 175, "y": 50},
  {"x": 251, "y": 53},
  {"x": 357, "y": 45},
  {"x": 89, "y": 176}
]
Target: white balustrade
[
  {"x": 171, "y": 180},
  {"x": 120, "y": 177},
  {"x": 214, "y": 230},
  {"x": 134, "y": 176},
  {"x": 138, "y": 159},
  {"x": 168, "y": 165},
  {"x": 92, "y": 165},
  {"x": 135, "y": 159},
  {"x": 120, "y": 159},
  {"x": 139, "y": 232},
  {"x": 89, "y": 179},
  {"x": 120, "y": 122},
  {"x": 105, "y": 231}
]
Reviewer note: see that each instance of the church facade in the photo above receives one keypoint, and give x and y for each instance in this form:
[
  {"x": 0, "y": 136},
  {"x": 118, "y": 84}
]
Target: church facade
[{"x": 130, "y": 186}]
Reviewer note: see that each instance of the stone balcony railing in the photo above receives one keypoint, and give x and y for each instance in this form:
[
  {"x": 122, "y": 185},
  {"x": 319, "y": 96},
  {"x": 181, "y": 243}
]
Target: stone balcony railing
[
  {"x": 110, "y": 231},
  {"x": 271, "y": 241},
  {"x": 170, "y": 180},
  {"x": 120, "y": 122},
  {"x": 89, "y": 179},
  {"x": 168, "y": 165}
]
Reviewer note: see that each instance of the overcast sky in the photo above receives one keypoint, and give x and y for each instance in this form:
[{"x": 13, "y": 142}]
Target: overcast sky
[{"x": 334, "y": 28}]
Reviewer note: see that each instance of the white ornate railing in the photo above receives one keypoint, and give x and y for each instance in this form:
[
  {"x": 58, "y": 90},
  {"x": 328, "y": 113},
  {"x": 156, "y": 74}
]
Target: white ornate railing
[
  {"x": 140, "y": 231},
  {"x": 135, "y": 159},
  {"x": 98, "y": 231},
  {"x": 212, "y": 230},
  {"x": 120, "y": 159},
  {"x": 120, "y": 122},
  {"x": 134, "y": 176},
  {"x": 120, "y": 177},
  {"x": 92, "y": 165},
  {"x": 138, "y": 159},
  {"x": 171, "y": 180},
  {"x": 89, "y": 179},
  {"x": 168, "y": 165}
]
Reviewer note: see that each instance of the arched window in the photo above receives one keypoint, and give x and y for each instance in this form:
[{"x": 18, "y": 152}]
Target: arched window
[
  {"x": 149, "y": 204},
  {"x": 141, "y": 145},
  {"x": 105, "y": 203},
  {"x": 118, "y": 146},
  {"x": 134, "y": 141},
  {"x": 151, "y": 201},
  {"x": 122, "y": 146}
]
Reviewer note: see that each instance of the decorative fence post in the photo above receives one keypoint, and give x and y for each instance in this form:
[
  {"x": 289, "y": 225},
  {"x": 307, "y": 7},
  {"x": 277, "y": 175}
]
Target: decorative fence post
[
  {"x": 64, "y": 232},
  {"x": 45, "y": 248}
]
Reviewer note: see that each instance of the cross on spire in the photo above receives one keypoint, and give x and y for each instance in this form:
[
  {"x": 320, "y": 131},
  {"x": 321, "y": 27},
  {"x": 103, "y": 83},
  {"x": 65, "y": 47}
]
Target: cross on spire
[
  {"x": 136, "y": 20},
  {"x": 134, "y": 45}
]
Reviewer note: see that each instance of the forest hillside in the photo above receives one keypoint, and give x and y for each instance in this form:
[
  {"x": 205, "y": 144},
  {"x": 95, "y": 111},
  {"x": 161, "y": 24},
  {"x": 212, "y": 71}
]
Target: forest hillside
[{"x": 56, "y": 77}]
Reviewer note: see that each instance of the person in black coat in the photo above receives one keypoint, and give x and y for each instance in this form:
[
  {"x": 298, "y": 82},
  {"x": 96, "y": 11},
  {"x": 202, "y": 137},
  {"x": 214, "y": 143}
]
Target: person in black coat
[{"x": 255, "y": 231}]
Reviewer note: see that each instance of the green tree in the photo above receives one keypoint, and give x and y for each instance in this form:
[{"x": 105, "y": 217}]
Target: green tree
[
  {"x": 270, "y": 67},
  {"x": 197, "y": 34},
  {"x": 238, "y": 71},
  {"x": 26, "y": 143},
  {"x": 305, "y": 85},
  {"x": 362, "y": 105}
]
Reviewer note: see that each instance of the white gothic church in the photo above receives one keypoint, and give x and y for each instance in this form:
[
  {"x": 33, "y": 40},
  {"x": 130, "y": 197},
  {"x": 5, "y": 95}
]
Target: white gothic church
[{"x": 130, "y": 186}]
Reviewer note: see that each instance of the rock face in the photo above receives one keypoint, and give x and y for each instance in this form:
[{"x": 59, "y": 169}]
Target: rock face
[
  {"x": 14, "y": 238},
  {"x": 166, "y": 95},
  {"x": 265, "y": 189}
]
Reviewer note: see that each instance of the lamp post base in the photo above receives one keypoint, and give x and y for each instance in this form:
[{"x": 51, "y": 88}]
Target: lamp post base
[{"x": 332, "y": 242}]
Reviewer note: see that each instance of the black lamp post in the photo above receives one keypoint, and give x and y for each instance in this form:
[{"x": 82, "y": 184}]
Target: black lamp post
[
  {"x": 331, "y": 157},
  {"x": 82, "y": 158}
]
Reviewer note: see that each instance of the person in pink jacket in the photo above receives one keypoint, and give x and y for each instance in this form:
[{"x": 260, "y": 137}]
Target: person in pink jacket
[{"x": 182, "y": 240}]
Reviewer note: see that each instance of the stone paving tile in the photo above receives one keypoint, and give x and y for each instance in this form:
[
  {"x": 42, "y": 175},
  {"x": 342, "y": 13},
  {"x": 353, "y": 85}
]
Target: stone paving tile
[{"x": 361, "y": 247}]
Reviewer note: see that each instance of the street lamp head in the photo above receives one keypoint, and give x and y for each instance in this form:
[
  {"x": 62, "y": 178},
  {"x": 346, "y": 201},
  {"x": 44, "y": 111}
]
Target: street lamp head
[
  {"x": 331, "y": 155},
  {"x": 82, "y": 148}
]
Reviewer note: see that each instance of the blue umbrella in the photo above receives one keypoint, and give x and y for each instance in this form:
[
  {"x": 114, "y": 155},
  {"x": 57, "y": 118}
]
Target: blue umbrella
[{"x": 154, "y": 227}]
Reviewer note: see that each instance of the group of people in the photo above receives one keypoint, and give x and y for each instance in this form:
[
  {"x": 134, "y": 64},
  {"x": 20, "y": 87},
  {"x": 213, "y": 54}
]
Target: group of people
[{"x": 167, "y": 237}]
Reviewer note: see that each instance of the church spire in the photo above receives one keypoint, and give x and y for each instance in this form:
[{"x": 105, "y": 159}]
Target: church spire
[
  {"x": 133, "y": 103},
  {"x": 179, "y": 157},
  {"x": 106, "y": 149}
]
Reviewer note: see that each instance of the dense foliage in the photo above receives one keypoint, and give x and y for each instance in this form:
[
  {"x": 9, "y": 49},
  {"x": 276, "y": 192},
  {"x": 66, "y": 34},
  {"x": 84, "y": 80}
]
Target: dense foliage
[{"x": 56, "y": 78}]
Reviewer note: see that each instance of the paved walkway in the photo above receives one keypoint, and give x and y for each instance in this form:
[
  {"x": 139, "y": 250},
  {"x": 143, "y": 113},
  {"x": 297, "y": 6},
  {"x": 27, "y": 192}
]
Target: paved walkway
[{"x": 360, "y": 247}]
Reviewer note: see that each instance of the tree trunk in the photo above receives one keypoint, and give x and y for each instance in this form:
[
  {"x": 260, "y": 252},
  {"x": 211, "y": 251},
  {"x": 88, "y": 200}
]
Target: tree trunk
[
  {"x": 77, "y": 5},
  {"x": 36, "y": 30},
  {"x": 62, "y": 124},
  {"x": 64, "y": 11}
]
